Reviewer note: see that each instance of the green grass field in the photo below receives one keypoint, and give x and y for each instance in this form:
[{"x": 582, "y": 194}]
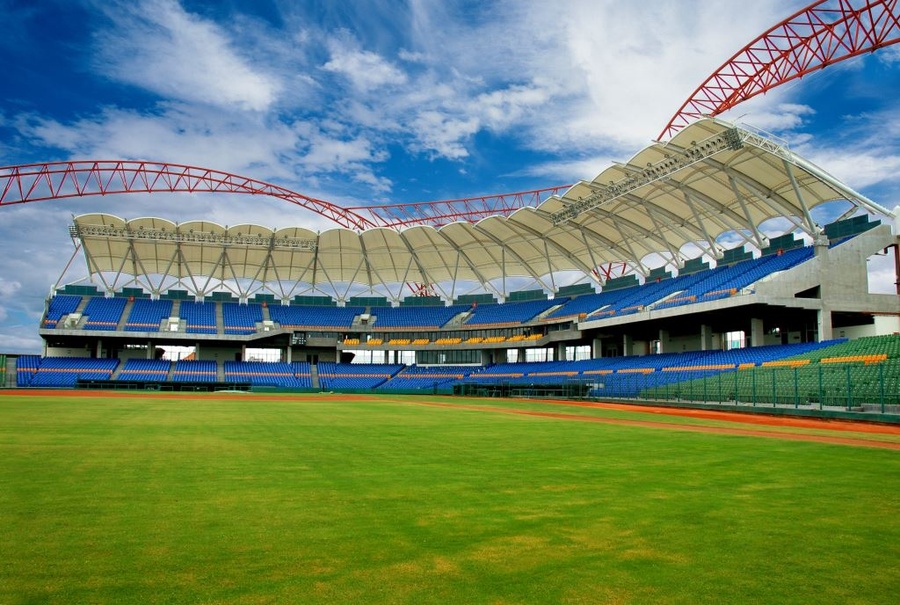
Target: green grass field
[{"x": 227, "y": 499}]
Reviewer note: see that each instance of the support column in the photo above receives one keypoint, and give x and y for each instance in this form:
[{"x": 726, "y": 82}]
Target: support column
[
  {"x": 824, "y": 328},
  {"x": 627, "y": 345},
  {"x": 597, "y": 349},
  {"x": 705, "y": 337},
  {"x": 150, "y": 350},
  {"x": 243, "y": 352},
  {"x": 99, "y": 352},
  {"x": 560, "y": 351},
  {"x": 663, "y": 341},
  {"x": 757, "y": 333}
]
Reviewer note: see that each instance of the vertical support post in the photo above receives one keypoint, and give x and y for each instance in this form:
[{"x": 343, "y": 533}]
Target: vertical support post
[{"x": 849, "y": 390}]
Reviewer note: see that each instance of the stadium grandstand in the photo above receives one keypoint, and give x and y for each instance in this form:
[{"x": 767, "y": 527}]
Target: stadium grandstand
[{"x": 727, "y": 288}]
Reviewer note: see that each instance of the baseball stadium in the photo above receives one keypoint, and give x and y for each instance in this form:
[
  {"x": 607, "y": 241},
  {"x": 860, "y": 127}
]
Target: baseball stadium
[{"x": 668, "y": 383}]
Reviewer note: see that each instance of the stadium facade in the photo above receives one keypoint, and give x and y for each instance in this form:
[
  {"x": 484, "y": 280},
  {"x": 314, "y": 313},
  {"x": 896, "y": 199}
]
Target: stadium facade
[{"x": 716, "y": 229}]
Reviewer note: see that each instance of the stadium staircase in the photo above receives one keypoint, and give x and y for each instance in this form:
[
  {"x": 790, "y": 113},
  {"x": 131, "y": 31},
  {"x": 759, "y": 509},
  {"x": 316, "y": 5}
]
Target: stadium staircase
[
  {"x": 220, "y": 328},
  {"x": 126, "y": 313},
  {"x": 118, "y": 370}
]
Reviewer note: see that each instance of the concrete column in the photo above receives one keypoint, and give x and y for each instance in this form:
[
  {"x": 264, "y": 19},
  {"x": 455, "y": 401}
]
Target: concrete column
[
  {"x": 705, "y": 337},
  {"x": 627, "y": 345},
  {"x": 243, "y": 352},
  {"x": 560, "y": 351},
  {"x": 663, "y": 341},
  {"x": 99, "y": 352},
  {"x": 823, "y": 318},
  {"x": 597, "y": 349},
  {"x": 757, "y": 334},
  {"x": 288, "y": 354},
  {"x": 150, "y": 350}
]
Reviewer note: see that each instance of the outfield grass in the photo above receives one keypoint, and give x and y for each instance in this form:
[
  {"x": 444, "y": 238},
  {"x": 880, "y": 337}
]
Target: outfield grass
[{"x": 232, "y": 500}]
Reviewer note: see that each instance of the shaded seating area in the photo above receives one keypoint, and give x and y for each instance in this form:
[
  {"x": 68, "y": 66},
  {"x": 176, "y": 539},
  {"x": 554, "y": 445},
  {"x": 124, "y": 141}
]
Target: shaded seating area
[
  {"x": 103, "y": 313},
  {"x": 60, "y": 306},
  {"x": 510, "y": 313},
  {"x": 199, "y": 318},
  {"x": 310, "y": 318},
  {"x": 241, "y": 318},
  {"x": 147, "y": 315},
  {"x": 423, "y": 318}
]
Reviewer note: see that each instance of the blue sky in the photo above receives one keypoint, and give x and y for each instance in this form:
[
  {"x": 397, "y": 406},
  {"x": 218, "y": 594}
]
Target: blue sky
[{"x": 386, "y": 101}]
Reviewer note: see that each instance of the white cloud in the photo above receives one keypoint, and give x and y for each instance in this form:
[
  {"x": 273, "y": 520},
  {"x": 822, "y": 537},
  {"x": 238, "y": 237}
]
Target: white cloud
[
  {"x": 365, "y": 70},
  {"x": 160, "y": 47}
]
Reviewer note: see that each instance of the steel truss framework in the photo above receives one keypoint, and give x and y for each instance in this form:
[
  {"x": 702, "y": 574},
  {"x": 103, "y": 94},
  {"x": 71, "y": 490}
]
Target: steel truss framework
[
  {"x": 60, "y": 180},
  {"x": 825, "y": 32},
  {"x": 713, "y": 180}
]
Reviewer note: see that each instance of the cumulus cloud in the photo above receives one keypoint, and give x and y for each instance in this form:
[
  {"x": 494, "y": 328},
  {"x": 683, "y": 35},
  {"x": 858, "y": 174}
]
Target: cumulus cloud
[
  {"x": 158, "y": 46},
  {"x": 365, "y": 70}
]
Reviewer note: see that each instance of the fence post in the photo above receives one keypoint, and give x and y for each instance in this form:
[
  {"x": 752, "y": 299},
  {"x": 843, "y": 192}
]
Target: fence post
[
  {"x": 881, "y": 385},
  {"x": 796, "y": 390},
  {"x": 753, "y": 386},
  {"x": 849, "y": 389},
  {"x": 774, "y": 391},
  {"x": 821, "y": 394}
]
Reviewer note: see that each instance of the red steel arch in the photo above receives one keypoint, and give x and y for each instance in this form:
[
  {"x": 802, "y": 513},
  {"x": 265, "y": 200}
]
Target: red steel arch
[
  {"x": 59, "y": 180},
  {"x": 825, "y": 32}
]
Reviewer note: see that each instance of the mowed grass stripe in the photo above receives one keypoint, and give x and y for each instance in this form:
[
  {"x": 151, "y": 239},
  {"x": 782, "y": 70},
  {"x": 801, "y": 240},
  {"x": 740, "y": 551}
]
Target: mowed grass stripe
[{"x": 133, "y": 500}]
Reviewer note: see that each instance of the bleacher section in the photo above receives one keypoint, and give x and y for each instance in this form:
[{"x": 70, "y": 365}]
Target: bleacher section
[
  {"x": 510, "y": 313},
  {"x": 422, "y": 318},
  {"x": 145, "y": 370},
  {"x": 241, "y": 319},
  {"x": 312, "y": 318},
  {"x": 628, "y": 376},
  {"x": 26, "y": 367},
  {"x": 723, "y": 282},
  {"x": 199, "y": 318},
  {"x": 67, "y": 371},
  {"x": 355, "y": 376},
  {"x": 147, "y": 315},
  {"x": 262, "y": 373},
  {"x": 60, "y": 306},
  {"x": 426, "y": 378},
  {"x": 194, "y": 371},
  {"x": 103, "y": 313},
  {"x": 843, "y": 373}
]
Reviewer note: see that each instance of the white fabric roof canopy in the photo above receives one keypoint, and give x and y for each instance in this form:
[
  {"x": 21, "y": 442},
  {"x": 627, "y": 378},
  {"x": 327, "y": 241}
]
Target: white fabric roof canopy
[{"x": 710, "y": 179}]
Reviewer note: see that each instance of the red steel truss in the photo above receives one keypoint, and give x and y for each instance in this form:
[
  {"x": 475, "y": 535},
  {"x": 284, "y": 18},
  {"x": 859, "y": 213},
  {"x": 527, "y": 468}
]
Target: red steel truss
[
  {"x": 447, "y": 211},
  {"x": 58, "y": 180},
  {"x": 825, "y": 32}
]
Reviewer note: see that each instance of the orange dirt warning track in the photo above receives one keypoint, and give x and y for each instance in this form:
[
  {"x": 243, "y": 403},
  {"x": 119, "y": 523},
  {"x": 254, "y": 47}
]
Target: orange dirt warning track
[{"x": 841, "y": 432}]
